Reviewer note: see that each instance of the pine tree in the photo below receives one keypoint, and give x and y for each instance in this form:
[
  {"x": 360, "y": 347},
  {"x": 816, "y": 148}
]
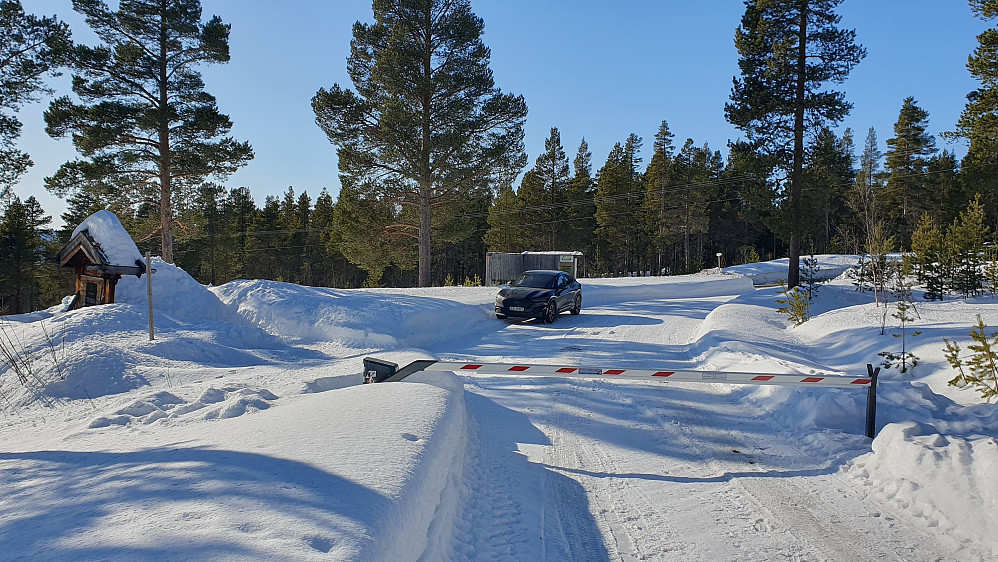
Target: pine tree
[
  {"x": 30, "y": 48},
  {"x": 828, "y": 175},
  {"x": 618, "y": 201},
  {"x": 612, "y": 185},
  {"x": 931, "y": 261},
  {"x": 978, "y": 122},
  {"x": 239, "y": 210},
  {"x": 966, "y": 239},
  {"x": 547, "y": 203},
  {"x": 426, "y": 119},
  {"x": 659, "y": 188},
  {"x": 789, "y": 50},
  {"x": 357, "y": 224},
  {"x": 145, "y": 125},
  {"x": 863, "y": 198},
  {"x": 695, "y": 172},
  {"x": 505, "y": 234},
  {"x": 581, "y": 211},
  {"x": 905, "y": 196},
  {"x": 263, "y": 250},
  {"x": 21, "y": 253}
]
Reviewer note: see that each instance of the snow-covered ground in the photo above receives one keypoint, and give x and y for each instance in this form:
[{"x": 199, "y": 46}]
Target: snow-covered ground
[{"x": 242, "y": 431}]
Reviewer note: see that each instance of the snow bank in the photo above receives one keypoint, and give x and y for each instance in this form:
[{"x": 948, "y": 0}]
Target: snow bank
[
  {"x": 830, "y": 266},
  {"x": 355, "y": 474},
  {"x": 177, "y": 294},
  {"x": 117, "y": 246},
  {"x": 358, "y": 317},
  {"x": 391, "y": 318},
  {"x": 948, "y": 480}
]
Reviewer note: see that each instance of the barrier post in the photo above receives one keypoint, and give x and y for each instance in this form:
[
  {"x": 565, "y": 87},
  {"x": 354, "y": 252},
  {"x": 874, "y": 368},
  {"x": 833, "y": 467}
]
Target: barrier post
[{"x": 871, "y": 402}]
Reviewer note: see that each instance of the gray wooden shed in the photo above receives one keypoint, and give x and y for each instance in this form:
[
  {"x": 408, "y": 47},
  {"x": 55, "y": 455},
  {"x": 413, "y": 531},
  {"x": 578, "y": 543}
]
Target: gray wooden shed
[{"x": 502, "y": 267}]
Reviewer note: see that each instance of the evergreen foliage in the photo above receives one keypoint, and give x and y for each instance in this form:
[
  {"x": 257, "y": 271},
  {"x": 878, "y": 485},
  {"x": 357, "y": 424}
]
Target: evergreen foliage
[
  {"x": 966, "y": 239},
  {"x": 795, "y": 303},
  {"x": 30, "y": 48},
  {"x": 930, "y": 258},
  {"x": 978, "y": 123},
  {"x": 907, "y": 163},
  {"x": 618, "y": 202},
  {"x": 580, "y": 215},
  {"x": 145, "y": 126},
  {"x": 903, "y": 310},
  {"x": 426, "y": 121},
  {"x": 25, "y": 284},
  {"x": 980, "y": 370},
  {"x": 828, "y": 176},
  {"x": 789, "y": 51}
]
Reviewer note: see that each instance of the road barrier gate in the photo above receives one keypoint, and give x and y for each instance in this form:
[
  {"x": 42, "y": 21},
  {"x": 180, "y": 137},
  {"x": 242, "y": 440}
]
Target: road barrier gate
[{"x": 377, "y": 370}]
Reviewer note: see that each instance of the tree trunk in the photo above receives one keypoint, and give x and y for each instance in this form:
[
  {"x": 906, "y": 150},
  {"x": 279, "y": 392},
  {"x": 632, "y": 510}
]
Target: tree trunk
[
  {"x": 165, "y": 195},
  {"x": 425, "y": 183},
  {"x": 797, "y": 177},
  {"x": 425, "y": 222}
]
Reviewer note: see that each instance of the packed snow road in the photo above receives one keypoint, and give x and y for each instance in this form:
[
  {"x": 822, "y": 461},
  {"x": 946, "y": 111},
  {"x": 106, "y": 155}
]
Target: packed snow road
[{"x": 601, "y": 470}]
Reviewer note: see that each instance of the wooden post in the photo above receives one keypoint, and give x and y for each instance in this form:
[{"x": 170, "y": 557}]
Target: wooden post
[{"x": 152, "y": 331}]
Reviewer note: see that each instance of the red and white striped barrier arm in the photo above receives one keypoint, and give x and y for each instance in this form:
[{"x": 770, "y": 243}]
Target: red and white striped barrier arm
[{"x": 724, "y": 377}]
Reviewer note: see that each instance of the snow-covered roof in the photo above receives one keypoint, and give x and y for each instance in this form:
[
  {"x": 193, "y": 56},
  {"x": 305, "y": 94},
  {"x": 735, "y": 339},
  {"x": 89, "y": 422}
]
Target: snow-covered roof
[{"x": 115, "y": 244}]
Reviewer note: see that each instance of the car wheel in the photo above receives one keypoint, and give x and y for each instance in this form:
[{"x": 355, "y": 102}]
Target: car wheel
[
  {"x": 501, "y": 316},
  {"x": 550, "y": 312},
  {"x": 578, "y": 305}
]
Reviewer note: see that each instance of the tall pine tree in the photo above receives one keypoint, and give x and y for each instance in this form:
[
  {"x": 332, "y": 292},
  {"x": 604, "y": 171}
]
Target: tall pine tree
[
  {"x": 905, "y": 196},
  {"x": 144, "y": 124},
  {"x": 789, "y": 51},
  {"x": 426, "y": 119}
]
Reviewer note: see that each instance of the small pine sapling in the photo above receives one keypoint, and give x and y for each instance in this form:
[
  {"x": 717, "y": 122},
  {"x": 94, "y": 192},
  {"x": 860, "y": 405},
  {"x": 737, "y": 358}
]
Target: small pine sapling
[
  {"x": 903, "y": 311},
  {"x": 809, "y": 276},
  {"x": 981, "y": 370},
  {"x": 795, "y": 304}
]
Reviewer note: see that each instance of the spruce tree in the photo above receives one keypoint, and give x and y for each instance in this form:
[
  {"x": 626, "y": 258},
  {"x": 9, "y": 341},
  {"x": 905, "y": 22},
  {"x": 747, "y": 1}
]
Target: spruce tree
[
  {"x": 657, "y": 203},
  {"x": 618, "y": 202},
  {"x": 828, "y": 175},
  {"x": 426, "y": 119},
  {"x": 905, "y": 195},
  {"x": 930, "y": 258},
  {"x": 789, "y": 50},
  {"x": 581, "y": 210},
  {"x": 547, "y": 205},
  {"x": 695, "y": 172},
  {"x": 30, "y": 48},
  {"x": 966, "y": 239},
  {"x": 144, "y": 124},
  {"x": 21, "y": 254},
  {"x": 864, "y": 197}
]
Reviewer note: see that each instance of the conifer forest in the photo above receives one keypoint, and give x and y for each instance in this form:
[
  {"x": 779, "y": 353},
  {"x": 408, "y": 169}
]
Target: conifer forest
[{"x": 433, "y": 171}]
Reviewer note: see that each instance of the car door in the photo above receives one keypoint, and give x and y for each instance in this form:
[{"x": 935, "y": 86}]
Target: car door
[{"x": 564, "y": 293}]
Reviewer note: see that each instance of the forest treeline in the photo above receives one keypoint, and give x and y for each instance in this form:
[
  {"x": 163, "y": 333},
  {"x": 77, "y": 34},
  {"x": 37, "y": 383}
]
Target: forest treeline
[{"x": 432, "y": 167}]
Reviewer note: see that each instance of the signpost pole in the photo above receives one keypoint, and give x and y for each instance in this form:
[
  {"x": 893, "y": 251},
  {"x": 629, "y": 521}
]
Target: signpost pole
[{"x": 149, "y": 271}]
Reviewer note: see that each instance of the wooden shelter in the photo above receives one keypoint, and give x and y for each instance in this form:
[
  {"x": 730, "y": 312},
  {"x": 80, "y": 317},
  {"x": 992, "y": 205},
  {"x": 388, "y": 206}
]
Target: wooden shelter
[
  {"x": 503, "y": 267},
  {"x": 96, "y": 275}
]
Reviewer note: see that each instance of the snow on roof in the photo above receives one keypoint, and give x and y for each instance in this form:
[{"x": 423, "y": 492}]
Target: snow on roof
[{"x": 117, "y": 246}]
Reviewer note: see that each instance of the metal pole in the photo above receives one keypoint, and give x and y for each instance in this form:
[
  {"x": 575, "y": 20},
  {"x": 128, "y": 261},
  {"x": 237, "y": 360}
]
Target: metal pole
[
  {"x": 152, "y": 332},
  {"x": 871, "y": 402}
]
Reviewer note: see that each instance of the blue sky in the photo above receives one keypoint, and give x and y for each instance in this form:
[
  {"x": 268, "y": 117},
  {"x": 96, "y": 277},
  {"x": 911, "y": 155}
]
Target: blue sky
[{"x": 593, "y": 68}]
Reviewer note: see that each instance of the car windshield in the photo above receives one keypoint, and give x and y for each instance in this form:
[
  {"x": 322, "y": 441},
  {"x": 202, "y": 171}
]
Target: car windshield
[{"x": 536, "y": 280}]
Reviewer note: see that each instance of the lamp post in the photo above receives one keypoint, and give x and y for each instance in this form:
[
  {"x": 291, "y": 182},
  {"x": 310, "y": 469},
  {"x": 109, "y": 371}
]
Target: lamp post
[{"x": 719, "y": 254}]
